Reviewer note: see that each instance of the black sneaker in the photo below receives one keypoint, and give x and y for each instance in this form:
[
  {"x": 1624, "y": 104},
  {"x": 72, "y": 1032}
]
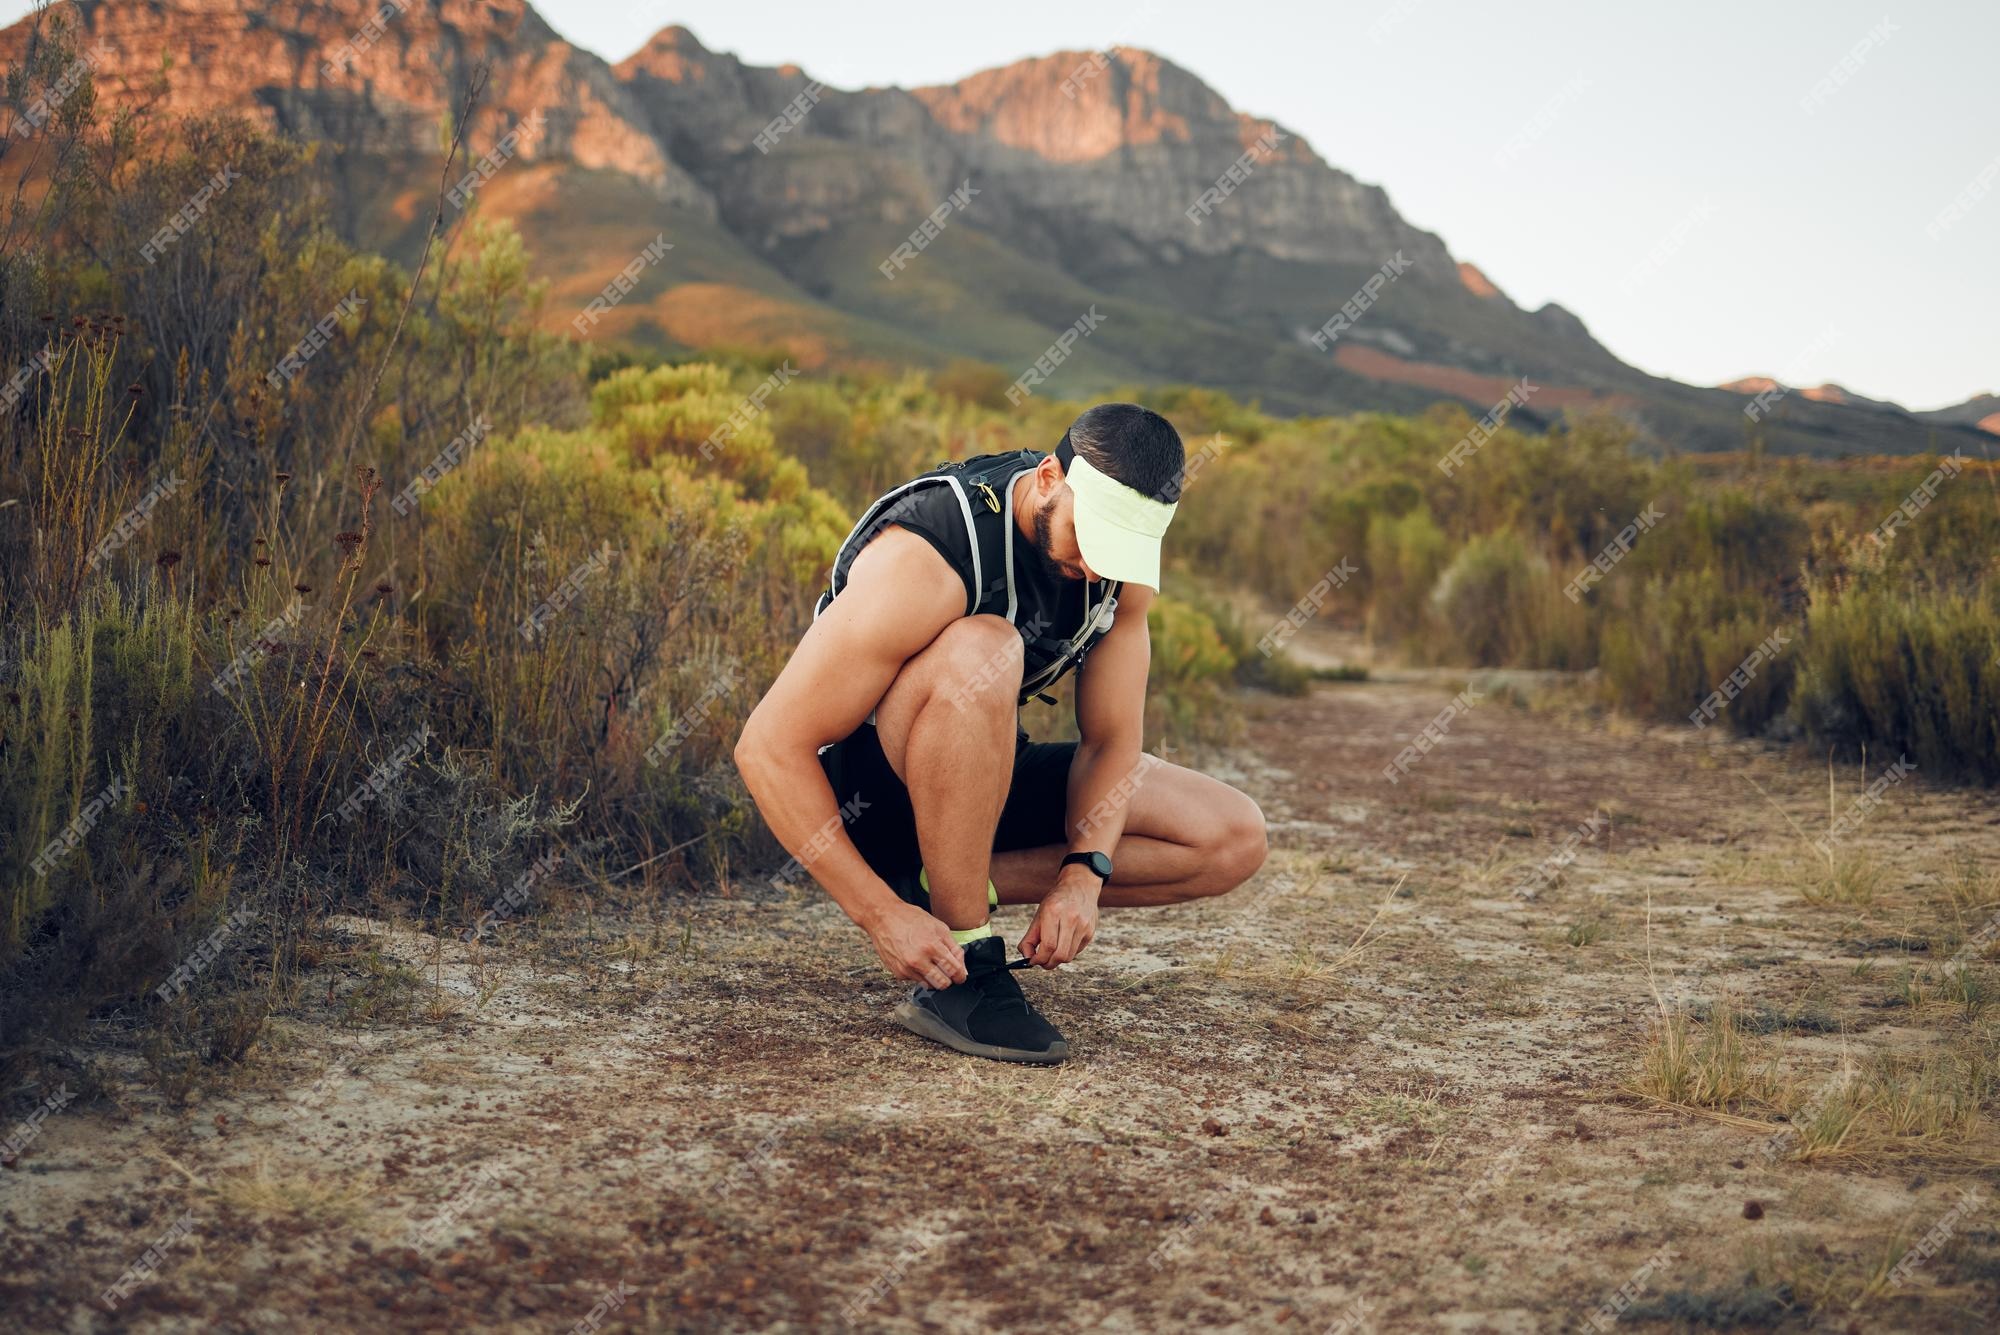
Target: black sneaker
[{"x": 986, "y": 1015}]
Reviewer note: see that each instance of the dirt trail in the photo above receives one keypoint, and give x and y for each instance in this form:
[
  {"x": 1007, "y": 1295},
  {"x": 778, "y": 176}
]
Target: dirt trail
[{"x": 707, "y": 1121}]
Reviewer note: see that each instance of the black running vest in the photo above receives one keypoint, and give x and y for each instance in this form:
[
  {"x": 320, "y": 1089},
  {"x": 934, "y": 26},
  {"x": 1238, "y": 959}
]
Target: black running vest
[{"x": 965, "y": 511}]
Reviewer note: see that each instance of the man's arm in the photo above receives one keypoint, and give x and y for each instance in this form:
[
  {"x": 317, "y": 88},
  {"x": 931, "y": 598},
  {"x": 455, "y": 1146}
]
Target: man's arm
[
  {"x": 1111, "y": 718},
  {"x": 899, "y": 595}
]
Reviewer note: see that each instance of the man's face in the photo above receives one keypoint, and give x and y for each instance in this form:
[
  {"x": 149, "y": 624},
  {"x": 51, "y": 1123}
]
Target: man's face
[{"x": 1055, "y": 535}]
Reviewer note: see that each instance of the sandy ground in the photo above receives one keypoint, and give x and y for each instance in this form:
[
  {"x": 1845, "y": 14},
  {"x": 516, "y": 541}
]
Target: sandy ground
[{"x": 1374, "y": 1089}]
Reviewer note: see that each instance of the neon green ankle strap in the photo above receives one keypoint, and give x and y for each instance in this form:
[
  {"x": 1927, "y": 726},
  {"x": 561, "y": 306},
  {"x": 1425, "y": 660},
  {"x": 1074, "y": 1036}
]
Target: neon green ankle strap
[
  {"x": 992, "y": 893},
  {"x": 962, "y": 935}
]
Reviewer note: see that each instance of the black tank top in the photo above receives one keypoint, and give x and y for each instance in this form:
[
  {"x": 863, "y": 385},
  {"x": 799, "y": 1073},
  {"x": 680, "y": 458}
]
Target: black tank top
[{"x": 1003, "y": 574}]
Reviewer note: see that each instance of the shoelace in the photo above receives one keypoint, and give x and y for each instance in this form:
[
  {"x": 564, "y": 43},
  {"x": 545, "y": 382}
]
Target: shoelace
[
  {"x": 1022, "y": 963},
  {"x": 1000, "y": 989}
]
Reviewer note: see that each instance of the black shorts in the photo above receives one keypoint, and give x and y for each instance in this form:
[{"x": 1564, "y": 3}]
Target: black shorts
[{"x": 884, "y": 827}]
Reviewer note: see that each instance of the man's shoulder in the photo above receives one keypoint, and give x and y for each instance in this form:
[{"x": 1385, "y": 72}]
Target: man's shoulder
[
  {"x": 946, "y": 516},
  {"x": 941, "y": 510}
]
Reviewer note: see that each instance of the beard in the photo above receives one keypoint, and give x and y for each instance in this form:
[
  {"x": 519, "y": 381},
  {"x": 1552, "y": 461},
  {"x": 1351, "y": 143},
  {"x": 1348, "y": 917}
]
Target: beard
[{"x": 1045, "y": 540}]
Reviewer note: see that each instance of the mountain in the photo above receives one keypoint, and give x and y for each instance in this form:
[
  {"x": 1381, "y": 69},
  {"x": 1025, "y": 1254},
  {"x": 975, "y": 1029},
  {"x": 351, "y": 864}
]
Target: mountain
[
  {"x": 1203, "y": 243},
  {"x": 1981, "y": 410}
]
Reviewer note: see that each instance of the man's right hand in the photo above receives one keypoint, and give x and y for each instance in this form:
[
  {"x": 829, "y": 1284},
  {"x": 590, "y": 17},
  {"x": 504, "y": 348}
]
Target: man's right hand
[{"x": 918, "y": 947}]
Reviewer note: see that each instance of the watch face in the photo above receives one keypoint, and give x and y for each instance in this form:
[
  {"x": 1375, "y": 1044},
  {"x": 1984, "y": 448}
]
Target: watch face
[{"x": 1096, "y": 861}]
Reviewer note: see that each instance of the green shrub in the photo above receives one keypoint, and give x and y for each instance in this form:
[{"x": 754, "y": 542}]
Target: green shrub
[
  {"x": 1191, "y": 666},
  {"x": 1682, "y": 637},
  {"x": 1405, "y": 556},
  {"x": 1882, "y": 669},
  {"x": 1498, "y": 603}
]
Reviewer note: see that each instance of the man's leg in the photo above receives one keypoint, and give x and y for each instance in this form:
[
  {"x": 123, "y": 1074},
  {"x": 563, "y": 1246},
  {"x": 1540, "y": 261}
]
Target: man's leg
[
  {"x": 1187, "y": 836},
  {"x": 946, "y": 726}
]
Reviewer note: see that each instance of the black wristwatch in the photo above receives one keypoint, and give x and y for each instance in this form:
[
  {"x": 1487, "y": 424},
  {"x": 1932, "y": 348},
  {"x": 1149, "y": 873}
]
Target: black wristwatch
[{"x": 1097, "y": 862}]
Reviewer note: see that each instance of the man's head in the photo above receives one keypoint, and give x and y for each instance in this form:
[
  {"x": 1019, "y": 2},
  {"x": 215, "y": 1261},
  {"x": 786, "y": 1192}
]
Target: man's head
[{"x": 1102, "y": 516}]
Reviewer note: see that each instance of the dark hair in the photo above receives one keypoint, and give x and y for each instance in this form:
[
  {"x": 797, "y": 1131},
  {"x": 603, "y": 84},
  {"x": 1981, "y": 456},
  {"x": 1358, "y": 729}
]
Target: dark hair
[{"x": 1135, "y": 445}]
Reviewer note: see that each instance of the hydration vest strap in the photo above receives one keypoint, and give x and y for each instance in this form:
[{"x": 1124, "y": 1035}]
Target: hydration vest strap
[{"x": 871, "y": 518}]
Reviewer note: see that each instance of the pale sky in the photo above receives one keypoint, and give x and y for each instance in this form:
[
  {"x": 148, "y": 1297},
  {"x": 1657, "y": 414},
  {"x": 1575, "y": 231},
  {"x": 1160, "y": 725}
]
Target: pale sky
[{"x": 1662, "y": 178}]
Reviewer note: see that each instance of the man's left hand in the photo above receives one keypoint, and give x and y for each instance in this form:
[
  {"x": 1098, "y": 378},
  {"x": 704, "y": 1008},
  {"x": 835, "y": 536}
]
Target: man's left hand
[{"x": 1066, "y": 920}]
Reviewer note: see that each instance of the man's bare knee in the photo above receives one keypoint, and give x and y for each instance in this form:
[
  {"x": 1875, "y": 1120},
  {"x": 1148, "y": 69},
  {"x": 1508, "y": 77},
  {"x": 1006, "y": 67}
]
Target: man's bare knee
[
  {"x": 1240, "y": 847},
  {"x": 971, "y": 670},
  {"x": 979, "y": 664}
]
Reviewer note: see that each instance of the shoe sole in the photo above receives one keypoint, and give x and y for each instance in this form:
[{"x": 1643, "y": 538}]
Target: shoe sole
[{"x": 920, "y": 1021}]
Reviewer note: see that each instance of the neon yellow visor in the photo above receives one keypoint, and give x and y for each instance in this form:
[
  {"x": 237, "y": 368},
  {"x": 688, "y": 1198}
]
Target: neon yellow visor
[{"x": 1118, "y": 528}]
